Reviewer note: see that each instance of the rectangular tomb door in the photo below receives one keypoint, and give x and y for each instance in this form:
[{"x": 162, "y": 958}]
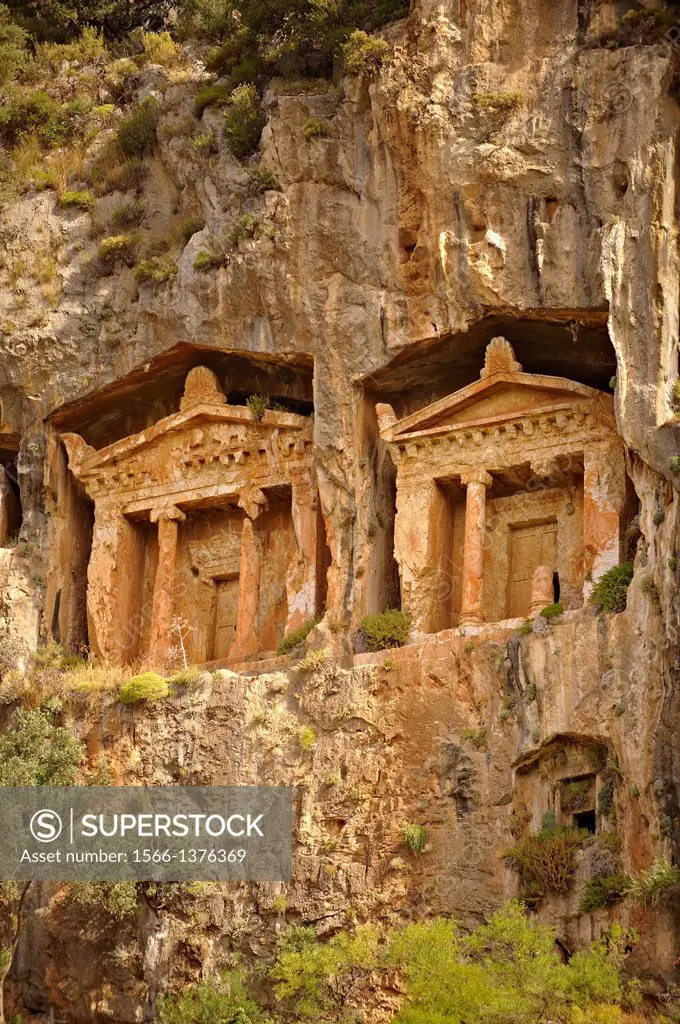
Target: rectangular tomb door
[
  {"x": 225, "y": 616},
  {"x": 531, "y": 546}
]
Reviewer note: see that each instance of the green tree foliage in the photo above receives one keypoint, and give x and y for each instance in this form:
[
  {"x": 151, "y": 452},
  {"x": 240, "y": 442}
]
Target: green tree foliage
[
  {"x": 262, "y": 38},
  {"x": 36, "y": 752},
  {"x": 12, "y": 46},
  {"x": 59, "y": 20},
  {"x": 386, "y": 629},
  {"x": 313, "y": 978},
  {"x": 224, "y": 1001},
  {"x": 506, "y": 971}
]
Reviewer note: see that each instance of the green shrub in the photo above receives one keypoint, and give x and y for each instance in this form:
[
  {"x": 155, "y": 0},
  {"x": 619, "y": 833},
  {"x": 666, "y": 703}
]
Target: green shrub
[
  {"x": 115, "y": 899},
  {"x": 34, "y": 751},
  {"x": 649, "y": 588},
  {"x": 160, "y": 48},
  {"x": 118, "y": 248},
  {"x": 477, "y": 737},
  {"x": 498, "y": 102},
  {"x": 414, "y": 837},
  {"x": 244, "y": 227},
  {"x": 83, "y": 200},
  {"x": 575, "y": 794},
  {"x": 610, "y": 592},
  {"x": 137, "y": 133},
  {"x": 675, "y": 463},
  {"x": 211, "y": 96},
  {"x": 205, "y": 142},
  {"x": 128, "y": 215},
  {"x": 316, "y": 129},
  {"x": 546, "y": 860},
  {"x": 257, "y": 405},
  {"x": 186, "y": 676},
  {"x": 552, "y": 611},
  {"x": 312, "y": 978},
  {"x": 390, "y": 628},
  {"x": 224, "y": 1001},
  {"x": 243, "y": 121},
  {"x": 364, "y": 54},
  {"x": 13, "y": 54},
  {"x": 312, "y": 660},
  {"x": 156, "y": 269},
  {"x": 602, "y": 892},
  {"x": 294, "y": 639},
  {"x": 147, "y": 686},
  {"x": 605, "y": 798},
  {"x": 658, "y": 882},
  {"x": 507, "y": 971},
  {"x": 191, "y": 225},
  {"x": 205, "y": 261},
  {"x": 38, "y": 114},
  {"x": 306, "y": 737},
  {"x": 261, "y": 180},
  {"x": 127, "y": 176}
]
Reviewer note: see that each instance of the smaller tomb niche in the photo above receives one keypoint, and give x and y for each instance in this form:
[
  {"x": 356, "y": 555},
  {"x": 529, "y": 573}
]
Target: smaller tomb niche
[
  {"x": 561, "y": 782},
  {"x": 10, "y": 496},
  {"x": 209, "y": 519},
  {"x": 511, "y": 495}
]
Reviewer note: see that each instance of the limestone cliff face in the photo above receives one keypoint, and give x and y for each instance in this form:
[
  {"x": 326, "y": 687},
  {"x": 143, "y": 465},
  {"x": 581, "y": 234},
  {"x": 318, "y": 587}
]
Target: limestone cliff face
[{"x": 503, "y": 174}]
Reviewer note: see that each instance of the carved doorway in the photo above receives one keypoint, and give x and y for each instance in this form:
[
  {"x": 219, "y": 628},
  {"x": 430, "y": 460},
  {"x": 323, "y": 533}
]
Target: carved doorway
[
  {"x": 530, "y": 546},
  {"x": 226, "y": 603}
]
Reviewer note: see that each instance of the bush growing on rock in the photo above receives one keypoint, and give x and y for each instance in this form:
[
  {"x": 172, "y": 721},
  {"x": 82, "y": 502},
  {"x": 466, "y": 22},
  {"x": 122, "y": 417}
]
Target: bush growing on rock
[
  {"x": 296, "y": 637},
  {"x": 137, "y": 134},
  {"x": 552, "y": 611},
  {"x": 243, "y": 121},
  {"x": 223, "y": 1001},
  {"x": 610, "y": 592},
  {"x": 390, "y": 628},
  {"x": 147, "y": 686},
  {"x": 83, "y": 200},
  {"x": 546, "y": 860},
  {"x": 658, "y": 882},
  {"x": 156, "y": 269},
  {"x": 117, "y": 900},
  {"x": 364, "y": 54},
  {"x": 414, "y": 837},
  {"x": 602, "y": 892},
  {"x": 118, "y": 248},
  {"x": 34, "y": 751}
]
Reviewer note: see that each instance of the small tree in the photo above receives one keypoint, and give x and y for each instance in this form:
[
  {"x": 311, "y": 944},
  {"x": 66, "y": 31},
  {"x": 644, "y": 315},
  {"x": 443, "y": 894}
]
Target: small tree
[
  {"x": 181, "y": 630},
  {"x": 34, "y": 751}
]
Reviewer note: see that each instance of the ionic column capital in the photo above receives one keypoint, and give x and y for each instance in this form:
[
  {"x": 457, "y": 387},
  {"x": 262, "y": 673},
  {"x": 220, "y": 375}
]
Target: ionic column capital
[
  {"x": 167, "y": 513},
  {"x": 476, "y": 475}
]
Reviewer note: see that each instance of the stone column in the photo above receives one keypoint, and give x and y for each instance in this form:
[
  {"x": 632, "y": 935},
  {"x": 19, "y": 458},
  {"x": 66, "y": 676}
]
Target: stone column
[
  {"x": 115, "y": 617},
  {"x": 168, "y": 520},
  {"x": 246, "y": 640},
  {"x": 604, "y": 490},
  {"x": 416, "y": 535},
  {"x": 476, "y": 481},
  {"x": 542, "y": 589},
  {"x": 301, "y": 572}
]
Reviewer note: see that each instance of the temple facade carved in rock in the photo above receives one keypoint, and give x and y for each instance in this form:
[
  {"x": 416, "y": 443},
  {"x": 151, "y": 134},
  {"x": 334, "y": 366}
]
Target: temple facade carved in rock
[
  {"x": 210, "y": 516},
  {"x": 510, "y": 496}
]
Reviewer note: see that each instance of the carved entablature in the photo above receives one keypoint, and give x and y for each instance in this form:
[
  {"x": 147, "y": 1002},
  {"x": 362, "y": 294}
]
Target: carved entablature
[
  {"x": 505, "y": 418},
  {"x": 207, "y": 450}
]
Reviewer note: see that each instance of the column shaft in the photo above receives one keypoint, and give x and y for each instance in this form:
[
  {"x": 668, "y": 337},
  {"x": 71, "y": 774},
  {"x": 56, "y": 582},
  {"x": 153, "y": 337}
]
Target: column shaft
[
  {"x": 477, "y": 481},
  {"x": 246, "y": 639},
  {"x": 164, "y": 585}
]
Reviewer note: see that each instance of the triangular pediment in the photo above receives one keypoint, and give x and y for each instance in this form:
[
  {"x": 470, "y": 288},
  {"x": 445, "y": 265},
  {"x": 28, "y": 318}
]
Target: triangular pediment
[
  {"x": 202, "y": 405},
  {"x": 497, "y": 397},
  {"x": 502, "y": 394}
]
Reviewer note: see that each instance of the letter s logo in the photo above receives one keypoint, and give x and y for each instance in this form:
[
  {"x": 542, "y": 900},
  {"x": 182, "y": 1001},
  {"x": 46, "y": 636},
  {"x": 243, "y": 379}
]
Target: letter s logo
[{"x": 46, "y": 826}]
